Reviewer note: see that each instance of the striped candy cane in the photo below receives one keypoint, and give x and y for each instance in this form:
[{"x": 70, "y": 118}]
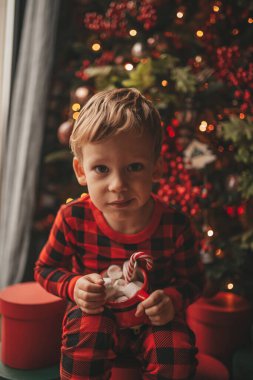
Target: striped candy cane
[{"x": 130, "y": 265}]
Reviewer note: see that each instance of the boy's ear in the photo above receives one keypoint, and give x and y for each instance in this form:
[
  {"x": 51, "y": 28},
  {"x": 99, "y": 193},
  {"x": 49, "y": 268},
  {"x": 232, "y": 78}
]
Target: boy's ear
[
  {"x": 79, "y": 172},
  {"x": 158, "y": 170}
]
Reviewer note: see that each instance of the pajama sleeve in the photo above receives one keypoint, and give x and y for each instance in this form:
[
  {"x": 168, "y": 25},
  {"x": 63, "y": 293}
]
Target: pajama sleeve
[
  {"x": 53, "y": 267},
  {"x": 188, "y": 277}
]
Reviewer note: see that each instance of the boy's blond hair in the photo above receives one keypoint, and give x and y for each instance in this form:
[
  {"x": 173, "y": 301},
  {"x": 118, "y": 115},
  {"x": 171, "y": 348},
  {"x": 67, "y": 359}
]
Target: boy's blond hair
[{"x": 112, "y": 111}]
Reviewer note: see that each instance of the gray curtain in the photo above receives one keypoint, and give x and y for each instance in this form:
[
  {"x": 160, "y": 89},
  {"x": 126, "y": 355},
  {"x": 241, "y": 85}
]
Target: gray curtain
[{"x": 25, "y": 134}]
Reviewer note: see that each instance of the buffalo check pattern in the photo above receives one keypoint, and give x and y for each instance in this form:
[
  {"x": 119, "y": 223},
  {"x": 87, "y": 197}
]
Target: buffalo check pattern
[{"x": 81, "y": 242}]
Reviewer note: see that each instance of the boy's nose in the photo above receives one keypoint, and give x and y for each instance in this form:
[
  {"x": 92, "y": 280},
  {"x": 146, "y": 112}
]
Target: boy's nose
[{"x": 117, "y": 183}]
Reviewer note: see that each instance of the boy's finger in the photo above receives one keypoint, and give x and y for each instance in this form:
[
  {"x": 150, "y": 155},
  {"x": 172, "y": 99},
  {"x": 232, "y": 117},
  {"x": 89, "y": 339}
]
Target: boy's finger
[
  {"x": 139, "y": 310},
  {"x": 88, "y": 286},
  {"x": 154, "y": 298},
  {"x": 92, "y": 296},
  {"x": 95, "y": 278},
  {"x": 152, "y": 311}
]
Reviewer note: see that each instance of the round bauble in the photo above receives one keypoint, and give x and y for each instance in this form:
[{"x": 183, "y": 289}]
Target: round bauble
[
  {"x": 139, "y": 50},
  {"x": 81, "y": 95},
  {"x": 64, "y": 131}
]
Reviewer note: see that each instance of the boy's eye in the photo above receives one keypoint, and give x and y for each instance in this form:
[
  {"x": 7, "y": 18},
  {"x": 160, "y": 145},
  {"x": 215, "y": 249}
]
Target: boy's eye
[
  {"x": 101, "y": 169},
  {"x": 135, "y": 167}
]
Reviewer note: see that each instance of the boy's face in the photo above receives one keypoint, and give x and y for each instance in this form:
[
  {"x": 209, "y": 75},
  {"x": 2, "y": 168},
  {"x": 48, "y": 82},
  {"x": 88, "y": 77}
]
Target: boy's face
[{"x": 119, "y": 172}]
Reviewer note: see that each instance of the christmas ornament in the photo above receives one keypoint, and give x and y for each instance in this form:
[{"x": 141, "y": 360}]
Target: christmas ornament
[
  {"x": 64, "y": 131},
  {"x": 139, "y": 50},
  {"x": 81, "y": 95},
  {"x": 197, "y": 155}
]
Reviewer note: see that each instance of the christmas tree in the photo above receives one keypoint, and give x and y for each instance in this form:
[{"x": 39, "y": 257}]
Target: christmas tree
[{"x": 193, "y": 60}]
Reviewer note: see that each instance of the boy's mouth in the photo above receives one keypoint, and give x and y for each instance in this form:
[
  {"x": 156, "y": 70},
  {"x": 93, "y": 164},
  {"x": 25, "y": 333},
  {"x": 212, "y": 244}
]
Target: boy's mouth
[{"x": 120, "y": 203}]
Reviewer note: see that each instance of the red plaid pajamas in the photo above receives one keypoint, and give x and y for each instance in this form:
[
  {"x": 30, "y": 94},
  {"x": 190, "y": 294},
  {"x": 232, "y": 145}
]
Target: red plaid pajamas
[
  {"x": 81, "y": 242},
  {"x": 92, "y": 342}
]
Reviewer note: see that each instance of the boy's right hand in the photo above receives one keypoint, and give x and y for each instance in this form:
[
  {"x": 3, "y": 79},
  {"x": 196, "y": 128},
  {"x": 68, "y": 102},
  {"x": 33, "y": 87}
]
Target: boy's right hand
[{"x": 89, "y": 293}]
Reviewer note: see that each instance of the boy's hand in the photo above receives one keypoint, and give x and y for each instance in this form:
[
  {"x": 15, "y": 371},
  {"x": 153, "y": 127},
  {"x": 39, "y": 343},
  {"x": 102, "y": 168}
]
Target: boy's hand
[
  {"x": 158, "y": 307},
  {"x": 89, "y": 293}
]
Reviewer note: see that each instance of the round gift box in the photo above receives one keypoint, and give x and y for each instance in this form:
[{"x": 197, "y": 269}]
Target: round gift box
[
  {"x": 221, "y": 324},
  {"x": 31, "y": 326},
  {"x": 125, "y": 311}
]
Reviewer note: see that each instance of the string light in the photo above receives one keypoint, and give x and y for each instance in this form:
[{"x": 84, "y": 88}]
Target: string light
[
  {"x": 216, "y": 8},
  {"x": 164, "y": 83},
  {"x": 219, "y": 253},
  {"x": 129, "y": 66},
  {"x": 203, "y": 126},
  {"x": 210, "y": 128},
  {"x": 76, "y": 107},
  {"x": 133, "y": 32},
  {"x": 198, "y": 58},
  {"x": 242, "y": 116},
  {"x": 200, "y": 33},
  {"x": 230, "y": 286},
  {"x": 75, "y": 115},
  {"x": 210, "y": 233},
  {"x": 180, "y": 14},
  {"x": 82, "y": 92},
  {"x": 96, "y": 46},
  {"x": 250, "y": 20}
]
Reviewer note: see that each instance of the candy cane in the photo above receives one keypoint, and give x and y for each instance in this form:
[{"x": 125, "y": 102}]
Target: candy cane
[{"x": 130, "y": 265}]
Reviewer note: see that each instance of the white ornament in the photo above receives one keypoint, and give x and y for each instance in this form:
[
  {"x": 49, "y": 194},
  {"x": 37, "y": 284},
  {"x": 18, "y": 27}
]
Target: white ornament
[{"x": 197, "y": 155}]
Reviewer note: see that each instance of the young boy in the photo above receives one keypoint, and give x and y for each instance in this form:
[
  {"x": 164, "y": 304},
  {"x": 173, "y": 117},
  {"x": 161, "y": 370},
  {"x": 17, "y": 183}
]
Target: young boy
[{"x": 116, "y": 143}]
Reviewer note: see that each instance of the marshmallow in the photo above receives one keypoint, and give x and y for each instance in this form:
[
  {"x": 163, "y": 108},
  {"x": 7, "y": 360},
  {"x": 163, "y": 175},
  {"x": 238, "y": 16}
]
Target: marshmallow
[
  {"x": 117, "y": 288},
  {"x": 110, "y": 292},
  {"x": 107, "y": 281},
  {"x": 120, "y": 283},
  {"x": 131, "y": 289},
  {"x": 138, "y": 283},
  {"x": 120, "y": 299},
  {"x": 114, "y": 272}
]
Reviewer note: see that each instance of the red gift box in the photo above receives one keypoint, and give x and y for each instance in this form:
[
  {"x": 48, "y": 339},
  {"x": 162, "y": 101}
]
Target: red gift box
[
  {"x": 31, "y": 326},
  {"x": 221, "y": 324}
]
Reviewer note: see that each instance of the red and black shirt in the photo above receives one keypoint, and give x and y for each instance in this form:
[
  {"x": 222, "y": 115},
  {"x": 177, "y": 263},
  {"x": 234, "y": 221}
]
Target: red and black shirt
[{"x": 81, "y": 242}]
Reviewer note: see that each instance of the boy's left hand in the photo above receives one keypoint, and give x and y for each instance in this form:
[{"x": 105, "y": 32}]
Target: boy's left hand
[{"x": 158, "y": 307}]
